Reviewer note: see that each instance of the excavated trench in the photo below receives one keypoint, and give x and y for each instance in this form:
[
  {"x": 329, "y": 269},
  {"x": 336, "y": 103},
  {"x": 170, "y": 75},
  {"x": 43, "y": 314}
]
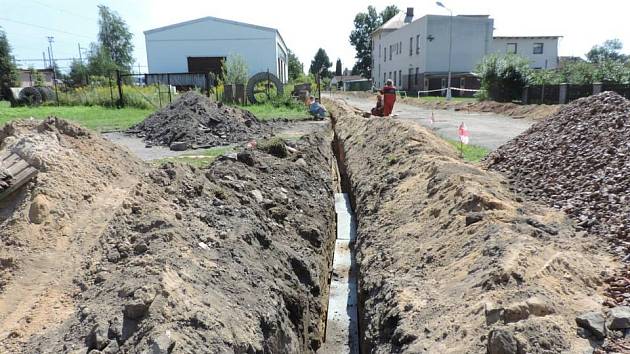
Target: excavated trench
[{"x": 449, "y": 260}]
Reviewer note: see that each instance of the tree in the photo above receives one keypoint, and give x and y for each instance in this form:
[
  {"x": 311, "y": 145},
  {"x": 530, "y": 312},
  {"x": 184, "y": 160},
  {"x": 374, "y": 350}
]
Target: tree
[
  {"x": 609, "y": 50},
  {"x": 296, "y": 68},
  {"x": 503, "y": 77},
  {"x": 236, "y": 70},
  {"x": 114, "y": 42},
  {"x": 8, "y": 70},
  {"x": 361, "y": 36},
  {"x": 389, "y": 12},
  {"x": 100, "y": 63},
  {"x": 320, "y": 62},
  {"x": 78, "y": 73},
  {"x": 338, "y": 68}
]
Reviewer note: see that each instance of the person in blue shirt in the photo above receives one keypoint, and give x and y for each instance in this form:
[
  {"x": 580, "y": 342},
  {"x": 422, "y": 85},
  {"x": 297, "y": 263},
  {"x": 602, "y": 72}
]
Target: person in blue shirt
[{"x": 316, "y": 108}]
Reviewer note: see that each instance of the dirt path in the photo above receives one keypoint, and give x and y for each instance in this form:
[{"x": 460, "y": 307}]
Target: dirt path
[
  {"x": 41, "y": 296},
  {"x": 137, "y": 146},
  {"x": 486, "y": 129}
]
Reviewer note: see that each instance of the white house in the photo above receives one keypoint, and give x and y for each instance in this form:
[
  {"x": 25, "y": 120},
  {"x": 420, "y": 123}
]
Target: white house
[
  {"x": 542, "y": 51},
  {"x": 200, "y": 46},
  {"x": 414, "y": 52}
]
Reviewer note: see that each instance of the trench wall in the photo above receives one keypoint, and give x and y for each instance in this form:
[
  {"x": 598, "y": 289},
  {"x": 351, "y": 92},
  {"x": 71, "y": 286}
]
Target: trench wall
[{"x": 449, "y": 260}]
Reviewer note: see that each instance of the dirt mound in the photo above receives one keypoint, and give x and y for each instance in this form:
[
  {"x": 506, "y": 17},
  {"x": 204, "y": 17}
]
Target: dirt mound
[
  {"x": 194, "y": 120},
  {"x": 449, "y": 261},
  {"x": 577, "y": 161},
  {"x": 232, "y": 258},
  {"x": 47, "y": 225}
]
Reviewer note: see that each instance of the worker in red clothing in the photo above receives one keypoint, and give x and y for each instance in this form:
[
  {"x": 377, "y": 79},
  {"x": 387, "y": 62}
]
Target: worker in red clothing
[{"x": 389, "y": 98}]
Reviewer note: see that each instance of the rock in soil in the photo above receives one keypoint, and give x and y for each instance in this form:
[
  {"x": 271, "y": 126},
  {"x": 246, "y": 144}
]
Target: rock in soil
[
  {"x": 449, "y": 260},
  {"x": 198, "y": 122},
  {"x": 594, "y": 322}
]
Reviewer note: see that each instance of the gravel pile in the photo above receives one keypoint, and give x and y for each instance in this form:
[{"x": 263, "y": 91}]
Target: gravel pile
[
  {"x": 578, "y": 160},
  {"x": 194, "y": 121}
]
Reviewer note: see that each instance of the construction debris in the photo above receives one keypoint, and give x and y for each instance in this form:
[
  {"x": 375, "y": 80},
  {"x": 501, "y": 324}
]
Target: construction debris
[
  {"x": 14, "y": 172},
  {"x": 193, "y": 121}
]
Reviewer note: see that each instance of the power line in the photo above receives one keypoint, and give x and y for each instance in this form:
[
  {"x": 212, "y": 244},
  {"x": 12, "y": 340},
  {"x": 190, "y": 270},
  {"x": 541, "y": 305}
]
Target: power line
[
  {"x": 43, "y": 27},
  {"x": 92, "y": 20}
]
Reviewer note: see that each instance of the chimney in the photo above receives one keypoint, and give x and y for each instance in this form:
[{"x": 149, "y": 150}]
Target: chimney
[{"x": 410, "y": 12}]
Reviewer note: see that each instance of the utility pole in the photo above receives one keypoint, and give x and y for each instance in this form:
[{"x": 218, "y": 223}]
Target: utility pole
[
  {"x": 44, "y": 56},
  {"x": 52, "y": 60},
  {"x": 80, "y": 57},
  {"x": 450, "y": 49}
]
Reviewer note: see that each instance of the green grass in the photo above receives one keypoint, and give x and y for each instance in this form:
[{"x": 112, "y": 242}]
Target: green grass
[
  {"x": 472, "y": 153},
  {"x": 197, "y": 158},
  {"x": 267, "y": 112},
  {"x": 95, "y": 117}
]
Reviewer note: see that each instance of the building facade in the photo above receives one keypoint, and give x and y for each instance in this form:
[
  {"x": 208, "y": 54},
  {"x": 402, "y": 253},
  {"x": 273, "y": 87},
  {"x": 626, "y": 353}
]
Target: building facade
[
  {"x": 202, "y": 45},
  {"x": 414, "y": 52},
  {"x": 541, "y": 51}
]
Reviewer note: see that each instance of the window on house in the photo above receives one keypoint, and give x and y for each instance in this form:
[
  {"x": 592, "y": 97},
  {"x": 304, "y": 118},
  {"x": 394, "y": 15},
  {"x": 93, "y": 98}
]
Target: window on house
[
  {"x": 415, "y": 81},
  {"x": 418, "y": 44},
  {"x": 395, "y": 81},
  {"x": 400, "y": 45},
  {"x": 410, "y": 46},
  {"x": 391, "y": 49},
  {"x": 384, "y": 78},
  {"x": 399, "y": 77},
  {"x": 385, "y": 54},
  {"x": 410, "y": 79},
  {"x": 462, "y": 82},
  {"x": 538, "y": 48},
  {"x": 379, "y": 50},
  {"x": 512, "y": 48}
]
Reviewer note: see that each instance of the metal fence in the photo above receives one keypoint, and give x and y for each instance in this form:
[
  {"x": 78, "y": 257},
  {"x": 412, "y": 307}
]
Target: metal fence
[
  {"x": 165, "y": 84},
  {"x": 564, "y": 93}
]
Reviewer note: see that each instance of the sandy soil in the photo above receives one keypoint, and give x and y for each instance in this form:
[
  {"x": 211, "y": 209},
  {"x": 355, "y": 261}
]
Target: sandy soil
[
  {"x": 450, "y": 260},
  {"x": 105, "y": 253}
]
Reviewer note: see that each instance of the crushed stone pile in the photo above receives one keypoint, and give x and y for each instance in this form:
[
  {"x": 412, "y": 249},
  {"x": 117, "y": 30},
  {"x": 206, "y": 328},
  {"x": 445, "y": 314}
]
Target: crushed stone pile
[
  {"x": 578, "y": 160},
  {"x": 450, "y": 261},
  {"x": 5, "y": 179},
  {"x": 194, "y": 121}
]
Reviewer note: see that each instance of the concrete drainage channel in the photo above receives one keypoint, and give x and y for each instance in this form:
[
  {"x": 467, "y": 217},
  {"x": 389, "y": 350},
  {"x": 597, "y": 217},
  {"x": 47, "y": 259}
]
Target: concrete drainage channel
[{"x": 342, "y": 329}]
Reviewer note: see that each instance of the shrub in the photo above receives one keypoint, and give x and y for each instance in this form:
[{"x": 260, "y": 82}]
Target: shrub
[{"x": 504, "y": 76}]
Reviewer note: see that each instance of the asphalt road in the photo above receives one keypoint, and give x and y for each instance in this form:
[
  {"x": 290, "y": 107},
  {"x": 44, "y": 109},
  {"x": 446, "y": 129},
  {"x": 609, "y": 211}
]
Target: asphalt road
[{"x": 486, "y": 129}]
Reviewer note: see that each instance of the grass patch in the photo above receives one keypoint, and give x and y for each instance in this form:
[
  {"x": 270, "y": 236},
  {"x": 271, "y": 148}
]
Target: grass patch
[
  {"x": 268, "y": 111},
  {"x": 197, "y": 158},
  {"x": 95, "y": 117},
  {"x": 472, "y": 153}
]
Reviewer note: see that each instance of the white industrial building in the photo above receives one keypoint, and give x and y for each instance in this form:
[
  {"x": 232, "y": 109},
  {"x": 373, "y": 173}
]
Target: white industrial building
[
  {"x": 199, "y": 46},
  {"x": 414, "y": 52}
]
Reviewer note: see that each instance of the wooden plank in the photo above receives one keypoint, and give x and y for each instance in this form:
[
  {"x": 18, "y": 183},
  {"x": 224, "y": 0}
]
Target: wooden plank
[
  {"x": 18, "y": 167},
  {"x": 18, "y": 181}
]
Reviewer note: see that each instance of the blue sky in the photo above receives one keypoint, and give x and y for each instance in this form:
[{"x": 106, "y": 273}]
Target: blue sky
[{"x": 305, "y": 26}]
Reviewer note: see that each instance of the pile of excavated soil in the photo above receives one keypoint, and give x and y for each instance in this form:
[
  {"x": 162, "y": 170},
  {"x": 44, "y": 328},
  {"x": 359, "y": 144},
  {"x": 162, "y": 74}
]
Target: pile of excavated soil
[
  {"x": 449, "y": 261},
  {"x": 194, "y": 120},
  {"x": 232, "y": 258},
  {"x": 48, "y": 225}
]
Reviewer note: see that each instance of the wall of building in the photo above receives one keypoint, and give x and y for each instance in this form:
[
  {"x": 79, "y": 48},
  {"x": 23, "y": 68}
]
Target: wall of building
[
  {"x": 472, "y": 40},
  {"x": 525, "y": 47},
  {"x": 168, "y": 49}
]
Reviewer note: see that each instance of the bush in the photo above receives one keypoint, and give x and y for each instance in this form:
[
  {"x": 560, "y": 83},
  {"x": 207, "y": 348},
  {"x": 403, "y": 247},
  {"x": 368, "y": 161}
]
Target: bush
[{"x": 503, "y": 77}]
